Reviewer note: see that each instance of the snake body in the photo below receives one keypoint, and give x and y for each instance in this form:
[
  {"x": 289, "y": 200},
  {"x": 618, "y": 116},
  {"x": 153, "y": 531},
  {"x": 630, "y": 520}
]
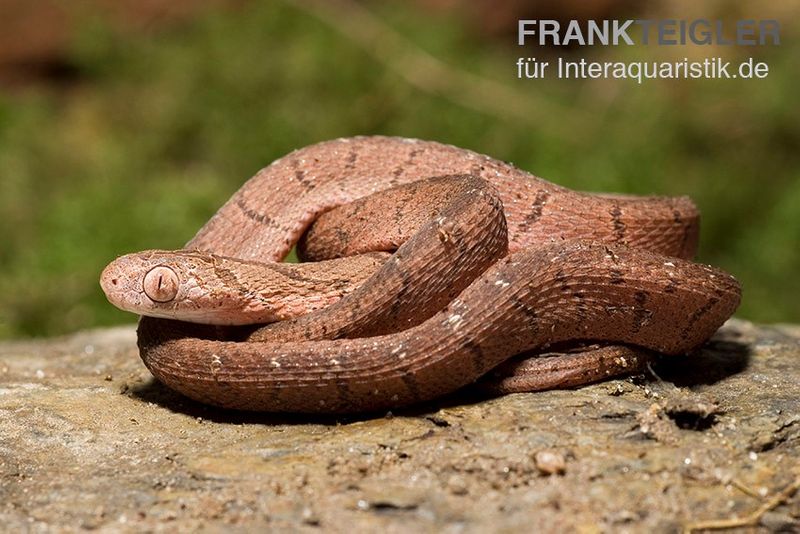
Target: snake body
[{"x": 487, "y": 262}]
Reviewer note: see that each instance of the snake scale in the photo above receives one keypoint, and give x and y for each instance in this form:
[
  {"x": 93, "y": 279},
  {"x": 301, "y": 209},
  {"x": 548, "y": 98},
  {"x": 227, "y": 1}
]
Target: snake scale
[{"x": 434, "y": 266}]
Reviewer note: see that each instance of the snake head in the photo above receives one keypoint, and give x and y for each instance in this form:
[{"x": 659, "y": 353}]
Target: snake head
[{"x": 158, "y": 284}]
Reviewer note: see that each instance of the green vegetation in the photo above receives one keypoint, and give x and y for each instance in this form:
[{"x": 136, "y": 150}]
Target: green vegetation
[{"x": 163, "y": 128}]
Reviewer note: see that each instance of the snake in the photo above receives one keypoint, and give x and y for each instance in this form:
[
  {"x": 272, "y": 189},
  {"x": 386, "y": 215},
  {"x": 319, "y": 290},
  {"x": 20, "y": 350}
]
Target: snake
[{"x": 428, "y": 268}]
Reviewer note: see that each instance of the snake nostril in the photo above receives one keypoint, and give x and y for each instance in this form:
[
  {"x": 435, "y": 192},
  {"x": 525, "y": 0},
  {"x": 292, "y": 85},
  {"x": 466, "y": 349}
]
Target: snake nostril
[{"x": 114, "y": 281}]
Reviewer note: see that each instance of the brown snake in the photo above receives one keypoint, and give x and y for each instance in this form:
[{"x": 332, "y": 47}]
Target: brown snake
[{"x": 487, "y": 262}]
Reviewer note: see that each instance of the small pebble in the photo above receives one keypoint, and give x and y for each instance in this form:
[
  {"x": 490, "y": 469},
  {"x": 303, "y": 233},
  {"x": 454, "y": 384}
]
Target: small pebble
[
  {"x": 309, "y": 517},
  {"x": 550, "y": 463},
  {"x": 457, "y": 485}
]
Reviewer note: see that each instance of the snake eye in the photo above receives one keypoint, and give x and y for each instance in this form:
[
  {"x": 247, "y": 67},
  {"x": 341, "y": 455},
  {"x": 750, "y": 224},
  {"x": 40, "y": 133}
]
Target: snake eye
[{"x": 161, "y": 284}]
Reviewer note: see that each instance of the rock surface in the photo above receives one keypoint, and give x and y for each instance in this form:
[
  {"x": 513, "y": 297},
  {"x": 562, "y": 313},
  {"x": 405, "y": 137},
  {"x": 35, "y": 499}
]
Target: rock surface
[{"x": 89, "y": 440}]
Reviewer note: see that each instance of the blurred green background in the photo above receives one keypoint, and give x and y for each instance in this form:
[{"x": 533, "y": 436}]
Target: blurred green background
[{"x": 127, "y": 130}]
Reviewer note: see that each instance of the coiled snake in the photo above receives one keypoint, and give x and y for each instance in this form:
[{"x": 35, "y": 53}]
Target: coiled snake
[{"x": 440, "y": 266}]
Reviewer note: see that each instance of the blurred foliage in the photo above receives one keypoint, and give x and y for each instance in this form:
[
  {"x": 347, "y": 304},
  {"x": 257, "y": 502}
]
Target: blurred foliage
[{"x": 161, "y": 128}]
